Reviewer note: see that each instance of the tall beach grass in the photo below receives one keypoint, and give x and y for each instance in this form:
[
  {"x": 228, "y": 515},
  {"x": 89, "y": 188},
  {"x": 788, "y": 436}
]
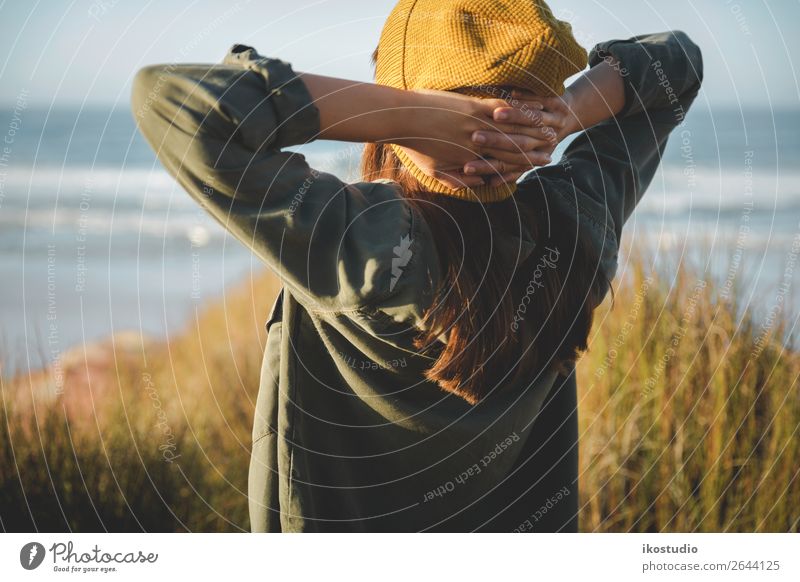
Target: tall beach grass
[{"x": 688, "y": 402}]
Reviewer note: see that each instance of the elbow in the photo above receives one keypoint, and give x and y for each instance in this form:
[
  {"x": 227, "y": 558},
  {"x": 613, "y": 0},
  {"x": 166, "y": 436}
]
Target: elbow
[
  {"x": 146, "y": 93},
  {"x": 693, "y": 57}
]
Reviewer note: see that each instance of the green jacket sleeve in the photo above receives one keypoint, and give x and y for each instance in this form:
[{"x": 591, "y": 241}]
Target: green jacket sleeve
[
  {"x": 606, "y": 169},
  {"x": 221, "y": 130}
]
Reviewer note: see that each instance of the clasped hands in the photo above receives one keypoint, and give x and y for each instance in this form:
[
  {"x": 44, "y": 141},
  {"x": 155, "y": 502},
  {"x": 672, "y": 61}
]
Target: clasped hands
[{"x": 464, "y": 141}]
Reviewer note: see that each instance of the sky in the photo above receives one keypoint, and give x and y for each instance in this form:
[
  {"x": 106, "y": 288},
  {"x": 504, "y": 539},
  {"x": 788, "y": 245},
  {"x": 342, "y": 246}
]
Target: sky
[{"x": 85, "y": 52}]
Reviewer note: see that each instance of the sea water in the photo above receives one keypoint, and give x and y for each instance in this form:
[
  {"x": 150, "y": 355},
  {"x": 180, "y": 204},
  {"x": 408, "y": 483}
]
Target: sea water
[{"x": 95, "y": 237}]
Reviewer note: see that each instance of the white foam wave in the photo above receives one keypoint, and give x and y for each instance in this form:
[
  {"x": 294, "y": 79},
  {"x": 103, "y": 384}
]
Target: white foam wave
[
  {"x": 679, "y": 190},
  {"x": 675, "y": 190}
]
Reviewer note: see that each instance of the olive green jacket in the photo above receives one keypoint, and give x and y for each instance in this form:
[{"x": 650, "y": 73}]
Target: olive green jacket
[{"x": 348, "y": 434}]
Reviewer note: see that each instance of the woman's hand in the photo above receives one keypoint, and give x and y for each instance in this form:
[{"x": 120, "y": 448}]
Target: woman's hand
[
  {"x": 594, "y": 97},
  {"x": 556, "y": 115},
  {"x": 441, "y": 131},
  {"x": 451, "y": 132}
]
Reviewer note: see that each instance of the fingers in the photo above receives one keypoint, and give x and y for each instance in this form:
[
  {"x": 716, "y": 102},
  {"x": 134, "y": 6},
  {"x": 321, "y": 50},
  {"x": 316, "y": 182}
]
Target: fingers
[
  {"x": 506, "y": 178},
  {"x": 514, "y": 118},
  {"x": 546, "y": 102},
  {"x": 525, "y": 109},
  {"x": 490, "y": 167},
  {"x": 457, "y": 179},
  {"x": 550, "y": 103},
  {"x": 556, "y": 104},
  {"x": 480, "y": 172},
  {"x": 528, "y": 117},
  {"x": 534, "y": 138},
  {"x": 496, "y": 172},
  {"x": 526, "y": 159},
  {"x": 488, "y": 171}
]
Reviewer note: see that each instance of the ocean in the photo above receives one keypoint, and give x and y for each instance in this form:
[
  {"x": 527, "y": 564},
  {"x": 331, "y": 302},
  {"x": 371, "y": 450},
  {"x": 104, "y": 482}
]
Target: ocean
[{"x": 96, "y": 238}]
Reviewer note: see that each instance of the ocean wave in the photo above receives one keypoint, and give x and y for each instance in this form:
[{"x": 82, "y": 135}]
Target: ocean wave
[
  {"x": 195, "y": 227},
  {"x": 678, "y": 190},
  {"x": 675, "y": 189}
]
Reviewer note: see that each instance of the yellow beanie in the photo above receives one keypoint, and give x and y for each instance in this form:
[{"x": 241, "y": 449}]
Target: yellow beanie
[{"x": 459, "y": 44}]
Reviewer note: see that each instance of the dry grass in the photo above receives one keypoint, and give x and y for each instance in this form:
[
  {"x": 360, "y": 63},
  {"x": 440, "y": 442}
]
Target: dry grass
[
  {"x": 686, "y": 423},
  {"x": 689, "y": 414},
  {"x": 152, "y": 436}
]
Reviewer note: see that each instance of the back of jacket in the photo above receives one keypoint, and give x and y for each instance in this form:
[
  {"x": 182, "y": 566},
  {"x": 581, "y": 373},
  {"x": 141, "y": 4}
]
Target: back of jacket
[{"x": 348, "y": 434}]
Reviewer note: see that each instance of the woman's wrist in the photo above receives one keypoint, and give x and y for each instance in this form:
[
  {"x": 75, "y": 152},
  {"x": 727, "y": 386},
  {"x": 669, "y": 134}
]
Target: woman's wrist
[
  {"x": 571, "y": 124},
  {"x": 403, "y": 120}
]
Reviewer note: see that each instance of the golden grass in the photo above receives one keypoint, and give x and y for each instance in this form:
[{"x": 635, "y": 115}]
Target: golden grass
[
  {"x": 686, "y": 423},
  {"x": 689, "y": 413},
  {"x": 144, "y": 436}
]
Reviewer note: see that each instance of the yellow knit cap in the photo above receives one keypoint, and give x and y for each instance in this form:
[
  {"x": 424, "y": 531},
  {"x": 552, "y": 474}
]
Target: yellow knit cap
[{"x": 458, "y": 44}]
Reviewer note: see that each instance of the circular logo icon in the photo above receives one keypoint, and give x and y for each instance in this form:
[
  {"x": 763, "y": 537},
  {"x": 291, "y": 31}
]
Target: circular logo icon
[{"x": 31, "y": 555}]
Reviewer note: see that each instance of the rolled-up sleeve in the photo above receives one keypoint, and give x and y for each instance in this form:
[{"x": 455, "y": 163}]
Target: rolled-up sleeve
[
  {"x": 607, "y": 168},
  {"x": 220, "y": 131}
]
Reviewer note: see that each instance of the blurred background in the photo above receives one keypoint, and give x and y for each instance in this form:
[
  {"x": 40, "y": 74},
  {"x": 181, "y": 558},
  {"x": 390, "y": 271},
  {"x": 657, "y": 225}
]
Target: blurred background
[{"x": 131, "y": 325}]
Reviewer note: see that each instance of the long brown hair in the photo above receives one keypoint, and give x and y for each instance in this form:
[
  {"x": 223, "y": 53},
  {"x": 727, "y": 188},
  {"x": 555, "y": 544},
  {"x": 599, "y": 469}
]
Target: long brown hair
[{"x": 492, "y": 333}]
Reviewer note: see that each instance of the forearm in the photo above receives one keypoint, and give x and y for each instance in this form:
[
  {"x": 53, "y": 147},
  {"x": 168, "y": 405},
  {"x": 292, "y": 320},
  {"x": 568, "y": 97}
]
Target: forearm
[
  {"x": 597, "y": 95},
  {"x": 610, "y": 165},
  {"x": 655, "y": 72},
  {"x": 437, "y": 128},
  {"x": 361, "y": 112}
]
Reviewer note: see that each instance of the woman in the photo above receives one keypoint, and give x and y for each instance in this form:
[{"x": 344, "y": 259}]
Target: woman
[{"x": 419, "y": 368}]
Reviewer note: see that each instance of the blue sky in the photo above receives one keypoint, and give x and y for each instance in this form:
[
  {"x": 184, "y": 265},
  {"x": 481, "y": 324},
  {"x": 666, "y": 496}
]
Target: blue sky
[{"x": 86, "y": 51}]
